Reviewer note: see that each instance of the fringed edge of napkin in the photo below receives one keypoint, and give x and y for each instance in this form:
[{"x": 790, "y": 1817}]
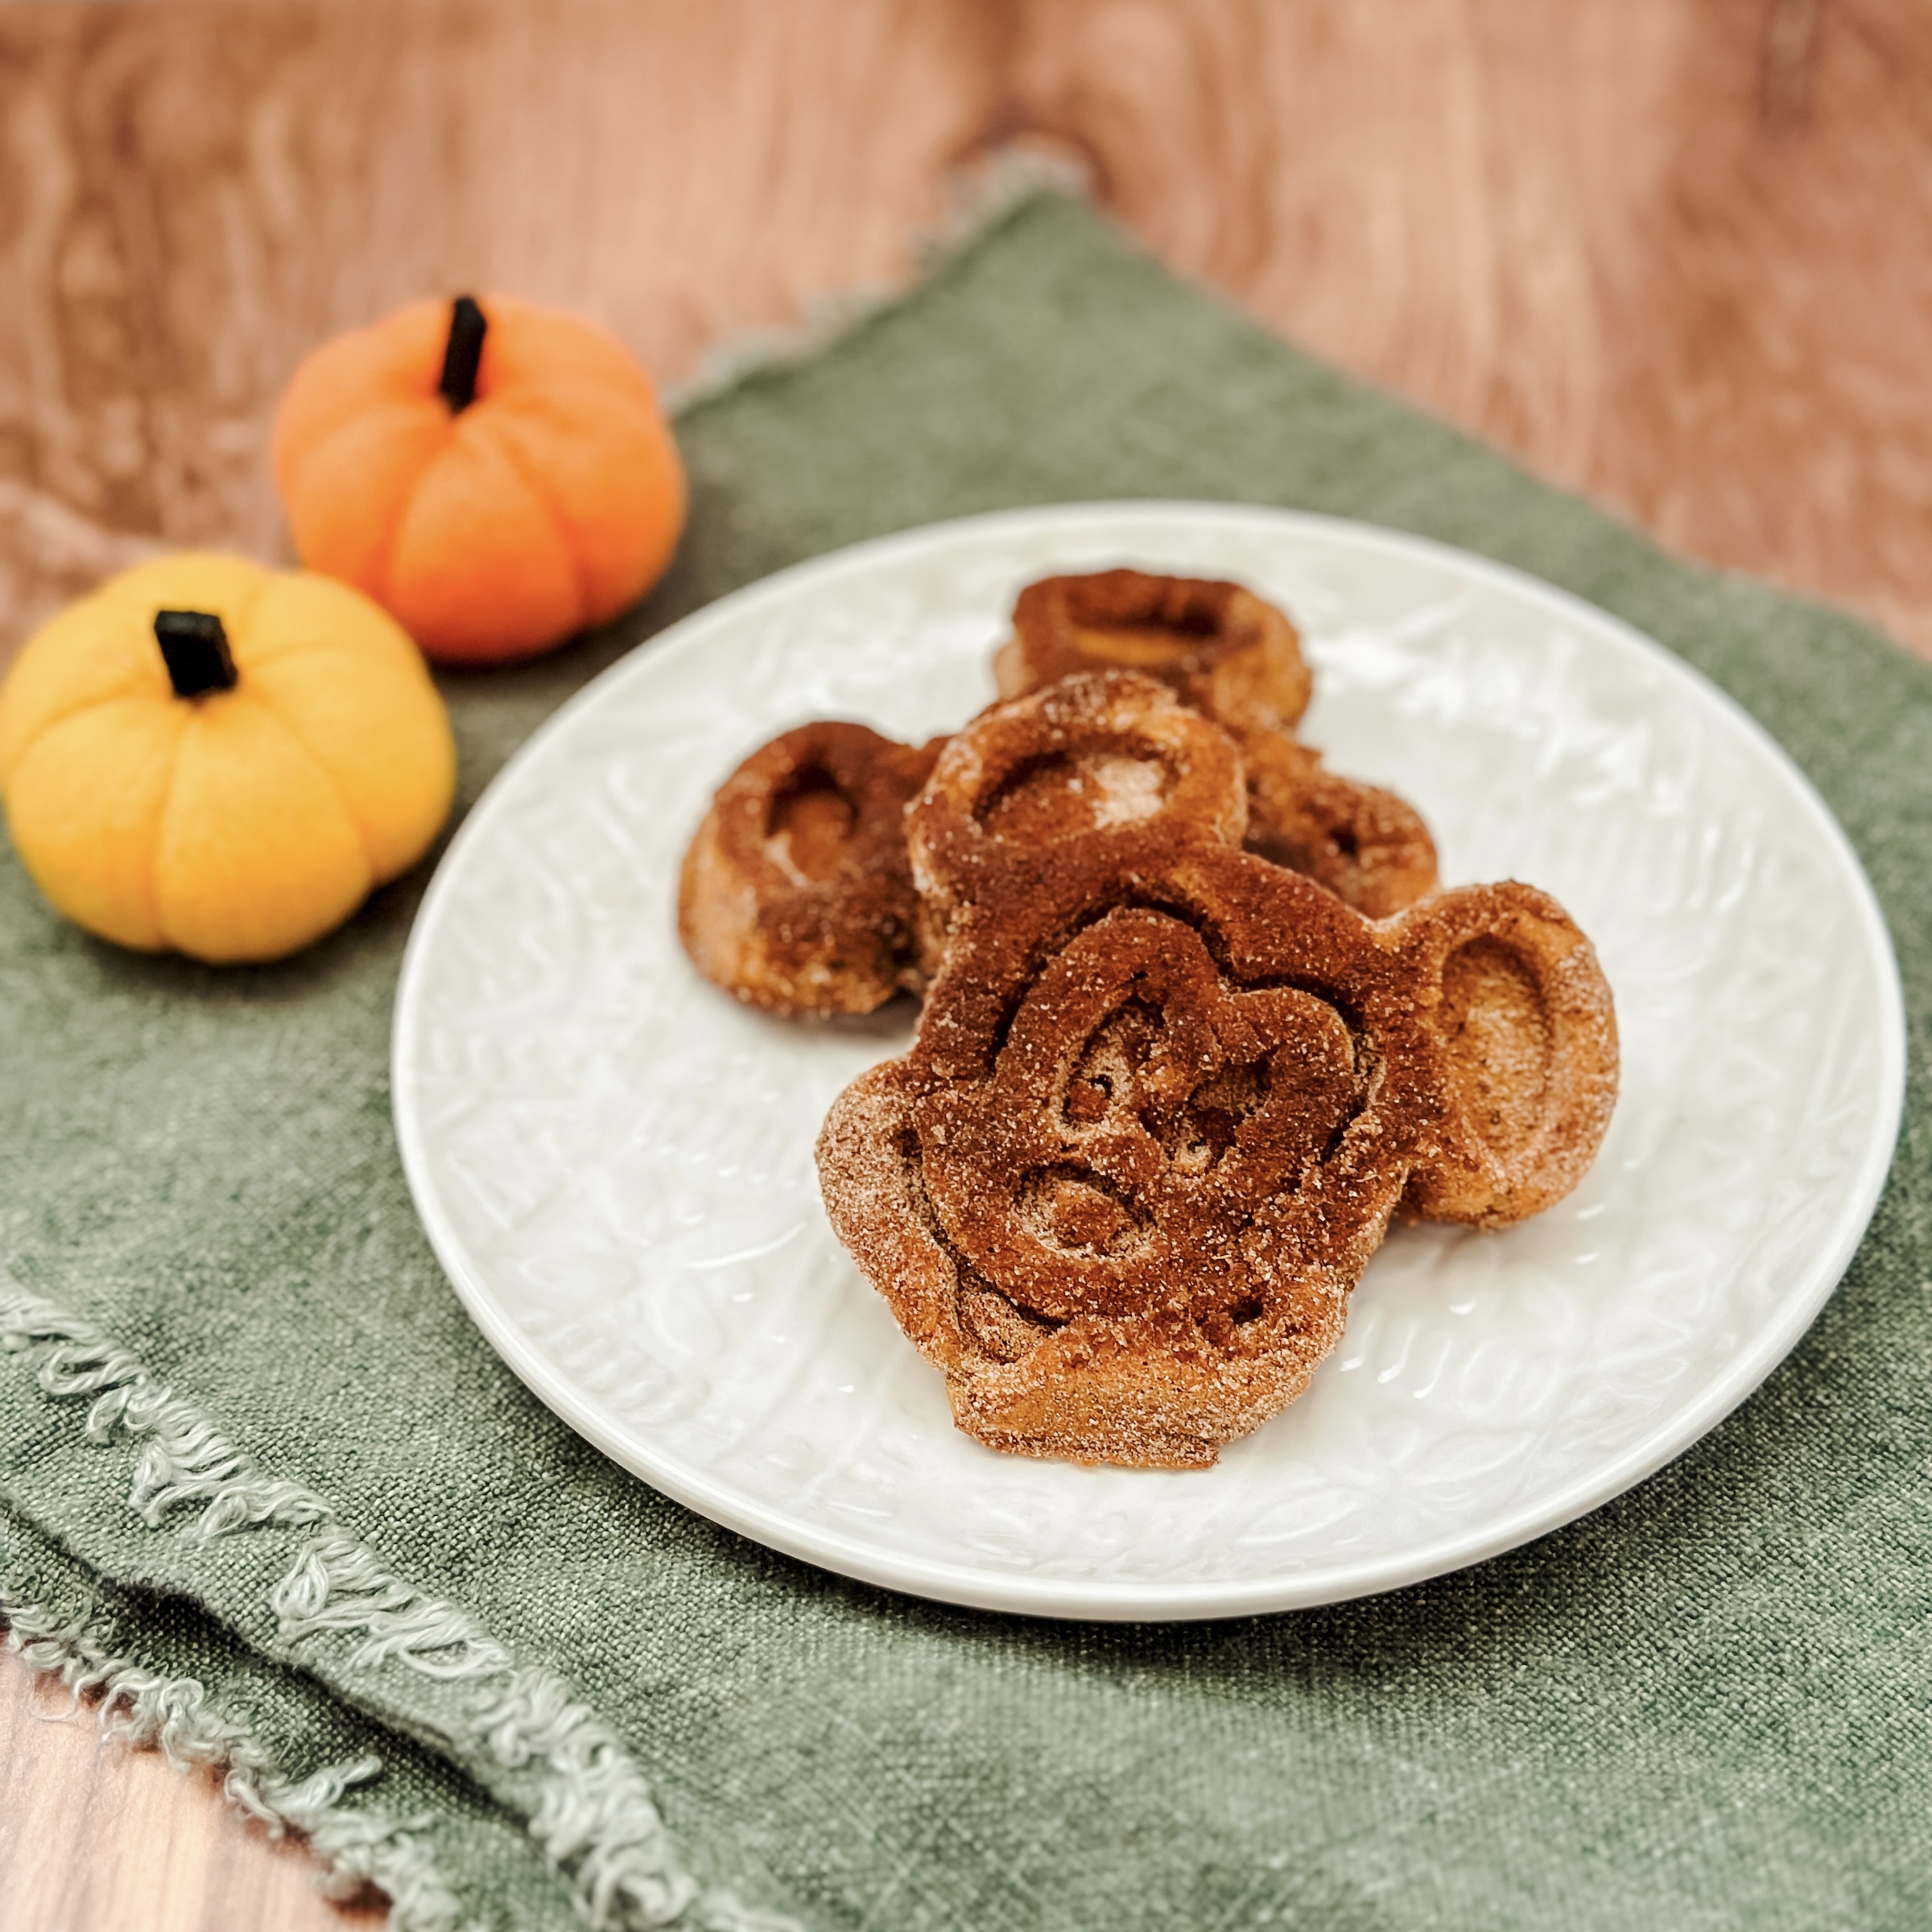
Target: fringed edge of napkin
[
  {"x": 524, "y": 1733},
  {"x": 341, "y": 1614},
  {"x": 358, "y": 1847}
]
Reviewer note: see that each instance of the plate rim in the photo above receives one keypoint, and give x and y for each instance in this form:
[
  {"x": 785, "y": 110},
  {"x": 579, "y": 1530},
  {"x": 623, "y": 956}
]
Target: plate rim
[{"x": 1070, "y": 1598}]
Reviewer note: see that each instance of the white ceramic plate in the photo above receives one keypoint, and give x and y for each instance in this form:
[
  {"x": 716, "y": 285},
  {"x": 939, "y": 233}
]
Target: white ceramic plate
[{"x": 614, "y": 1161}]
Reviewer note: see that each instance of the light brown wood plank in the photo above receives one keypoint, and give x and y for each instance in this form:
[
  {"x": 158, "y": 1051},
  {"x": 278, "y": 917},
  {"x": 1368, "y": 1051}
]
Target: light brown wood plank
[
  {"x": 95, "y": 1837},
  {"x": 192, "y": 196},
  {"x": 1676, "y": 253}
]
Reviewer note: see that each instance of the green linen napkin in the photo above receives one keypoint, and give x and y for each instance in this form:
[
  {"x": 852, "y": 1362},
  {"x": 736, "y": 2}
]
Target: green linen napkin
[{"x": 266, "y": 1488}]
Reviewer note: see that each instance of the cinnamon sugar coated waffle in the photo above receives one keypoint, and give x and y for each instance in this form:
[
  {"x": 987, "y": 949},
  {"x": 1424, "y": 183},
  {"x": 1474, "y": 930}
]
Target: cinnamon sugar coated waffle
[
  {"x": 796, "y": 895},
  {"x": 1029, "y": 787},
  {"x": 1199, "y": 1021},
  {"x": 1235, "y": 658},
  {"x": 1367, "y": 846},
  {"x": 1220, "y": 649},
  {"x": 1166, "y": 1097}
]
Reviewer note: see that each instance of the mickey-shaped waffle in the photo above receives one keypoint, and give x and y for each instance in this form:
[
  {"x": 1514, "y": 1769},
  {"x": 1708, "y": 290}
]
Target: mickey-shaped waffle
[
  {"x": 1166, "y": 1097},
  {"x": 1221, "y": 649},
  {"x": 796, "y": 895},
  {"x": 1234, "y": 657}
]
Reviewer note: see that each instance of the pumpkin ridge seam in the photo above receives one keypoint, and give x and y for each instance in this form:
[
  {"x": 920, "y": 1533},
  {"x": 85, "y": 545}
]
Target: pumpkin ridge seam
[
  {"x": 80, "y": 711},
  {"x": 513, "y": 457},
  {"x": 378, "y": 587},
  {"x": 150, "y": 870},
  {"x": 580, "y": 1794},
  {"x": 376, "y": 875}
]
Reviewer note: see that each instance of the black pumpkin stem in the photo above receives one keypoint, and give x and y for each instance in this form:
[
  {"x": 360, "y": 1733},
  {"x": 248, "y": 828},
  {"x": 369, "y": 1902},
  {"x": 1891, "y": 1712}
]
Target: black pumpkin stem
[
  {"x": 461, "y": 354},
  {"x": 195, "y": 648}
]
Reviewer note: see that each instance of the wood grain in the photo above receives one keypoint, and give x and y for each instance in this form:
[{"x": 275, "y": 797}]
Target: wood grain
[
  {"x": 192, "y": 196},
  {"x": 1676, "y": 253},
  {"x": 94, "y": 1838}
]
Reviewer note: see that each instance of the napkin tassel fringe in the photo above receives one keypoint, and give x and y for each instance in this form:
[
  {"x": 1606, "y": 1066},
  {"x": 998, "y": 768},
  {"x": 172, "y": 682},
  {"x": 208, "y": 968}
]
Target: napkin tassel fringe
[
  {"x": 184, "y": 1459},
  {"x": 357, "y": 1845},
  {"x": 590, "y": 1807},
  {"x": 594, "y": 1816}
]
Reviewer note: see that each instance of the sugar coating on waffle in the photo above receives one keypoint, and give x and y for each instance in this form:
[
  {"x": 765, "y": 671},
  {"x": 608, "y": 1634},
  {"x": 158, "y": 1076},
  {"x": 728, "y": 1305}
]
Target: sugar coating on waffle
[
  {"x": 1235, "y": 658},
  {"x": 1366, "y": 844},
  {"x": 1106, "y": 761},
  {"x": 1220, "y": 649},
  {"x": 1166, "y": 1097},
  {"x": 796, "y": 895}
]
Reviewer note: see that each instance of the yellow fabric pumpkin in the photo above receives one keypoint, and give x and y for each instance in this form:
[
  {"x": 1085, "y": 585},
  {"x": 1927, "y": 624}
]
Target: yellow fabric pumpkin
[{"x": 219, "y": 759}]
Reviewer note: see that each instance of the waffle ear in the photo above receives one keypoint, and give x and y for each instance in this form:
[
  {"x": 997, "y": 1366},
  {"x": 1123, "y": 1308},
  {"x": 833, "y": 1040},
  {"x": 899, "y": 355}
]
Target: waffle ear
[
  {"x": 1524, "y": 1035},
  {"x": 1075, "y": 761}
]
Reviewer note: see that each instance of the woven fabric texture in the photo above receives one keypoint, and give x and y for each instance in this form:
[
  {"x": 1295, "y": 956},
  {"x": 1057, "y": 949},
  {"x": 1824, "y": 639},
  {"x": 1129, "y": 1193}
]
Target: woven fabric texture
[{"x": 250, "y": 1441}]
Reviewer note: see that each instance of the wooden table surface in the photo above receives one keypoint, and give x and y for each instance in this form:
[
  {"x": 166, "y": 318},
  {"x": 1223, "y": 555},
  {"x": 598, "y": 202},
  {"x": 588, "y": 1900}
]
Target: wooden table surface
[{"x": 1675, "y": 253}]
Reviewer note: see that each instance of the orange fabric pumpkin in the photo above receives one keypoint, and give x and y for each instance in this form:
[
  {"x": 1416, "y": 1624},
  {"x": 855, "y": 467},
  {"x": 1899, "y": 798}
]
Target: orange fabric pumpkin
[{"x": 496, "y": 475}]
